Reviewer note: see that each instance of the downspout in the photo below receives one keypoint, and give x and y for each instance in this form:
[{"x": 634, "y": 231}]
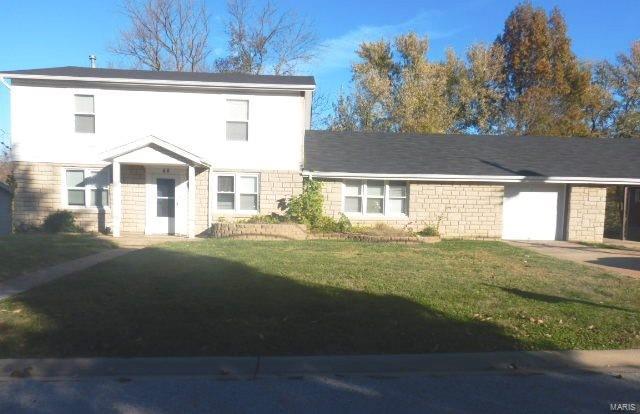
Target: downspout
[{"x": 209, "y": 199}]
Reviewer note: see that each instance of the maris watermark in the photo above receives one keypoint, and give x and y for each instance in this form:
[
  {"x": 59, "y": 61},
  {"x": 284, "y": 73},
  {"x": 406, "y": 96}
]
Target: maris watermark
[{"x": 626, "y": 407}]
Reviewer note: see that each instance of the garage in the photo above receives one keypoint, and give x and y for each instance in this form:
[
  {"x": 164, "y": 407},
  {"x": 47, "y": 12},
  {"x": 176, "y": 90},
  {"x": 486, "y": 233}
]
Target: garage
[{"x": 533, "y": 211}]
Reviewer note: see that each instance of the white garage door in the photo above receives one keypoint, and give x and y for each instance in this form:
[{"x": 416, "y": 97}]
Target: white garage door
[{"x": 533, "y": 212}]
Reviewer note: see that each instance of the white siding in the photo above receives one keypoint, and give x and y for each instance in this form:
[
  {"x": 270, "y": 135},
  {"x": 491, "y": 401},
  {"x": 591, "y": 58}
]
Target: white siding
[{"x": 43, "y": 125}]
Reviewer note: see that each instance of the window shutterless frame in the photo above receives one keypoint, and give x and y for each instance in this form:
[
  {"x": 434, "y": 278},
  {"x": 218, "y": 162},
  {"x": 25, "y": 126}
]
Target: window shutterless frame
[
  {"x": 237, "y": 120},
  {"x": 84, "y": 113},
  {"x": 245, "y": 192},
  {"x": 365, "y": 197},
  {"x": 86, "y": 188}
]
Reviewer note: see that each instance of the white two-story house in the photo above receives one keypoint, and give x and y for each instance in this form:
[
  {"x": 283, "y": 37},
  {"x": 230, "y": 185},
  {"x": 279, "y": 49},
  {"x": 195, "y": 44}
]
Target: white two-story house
[
  {"x": 169, "y": 153},
  {"x": 155, "y": 152}
]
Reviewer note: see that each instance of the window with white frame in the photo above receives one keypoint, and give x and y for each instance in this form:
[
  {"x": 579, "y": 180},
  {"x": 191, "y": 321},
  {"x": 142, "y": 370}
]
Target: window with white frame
[
  {"x": 85, "y": 117},
  {"x": 237, "y": 192},
  {"x": 87, "y": 187},
  {"x": 237, "y": 120},
  {"x": 375, "y": 197}
]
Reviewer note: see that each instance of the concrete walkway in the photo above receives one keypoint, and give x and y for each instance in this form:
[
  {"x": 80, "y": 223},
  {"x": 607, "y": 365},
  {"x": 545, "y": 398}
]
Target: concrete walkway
[
  {"x": 126, "y": 243},
  {"x": 624, "y": 262},
  {"x": 27, "y": 281}
]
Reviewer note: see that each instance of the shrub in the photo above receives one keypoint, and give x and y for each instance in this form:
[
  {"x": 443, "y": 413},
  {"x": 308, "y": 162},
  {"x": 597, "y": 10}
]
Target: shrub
[
  {"x": 382, "y": 229},
  {"x": 306, "y": 208},
  {"x": 330, "y": 225},
  {"x": 60, "y": 221},
  {"x": 429, "y": 231},
  {"x": 272, "y": 218}
]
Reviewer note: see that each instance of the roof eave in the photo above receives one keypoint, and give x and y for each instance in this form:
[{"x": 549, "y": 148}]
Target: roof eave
[
  {"x": 160, "y": 82},
  {"x": 474, "y": 178}
]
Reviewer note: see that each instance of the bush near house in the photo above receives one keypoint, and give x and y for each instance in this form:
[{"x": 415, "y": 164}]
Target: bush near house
[{"x": 61, "y": 221}]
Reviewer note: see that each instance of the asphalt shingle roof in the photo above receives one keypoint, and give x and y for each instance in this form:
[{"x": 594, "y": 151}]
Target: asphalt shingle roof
[
  {"x": 86, "y": 72},
  {"x": 389, "y": 153}
]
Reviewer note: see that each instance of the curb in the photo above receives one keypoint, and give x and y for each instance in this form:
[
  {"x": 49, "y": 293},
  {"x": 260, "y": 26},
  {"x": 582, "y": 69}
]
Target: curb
[{"x": 445, "y": 363}]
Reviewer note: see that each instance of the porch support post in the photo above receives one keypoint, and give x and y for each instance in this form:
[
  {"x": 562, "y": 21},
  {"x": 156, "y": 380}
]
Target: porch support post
[
  {"x": 116, "y": 207},
  {"x": 191, "y": 214}
]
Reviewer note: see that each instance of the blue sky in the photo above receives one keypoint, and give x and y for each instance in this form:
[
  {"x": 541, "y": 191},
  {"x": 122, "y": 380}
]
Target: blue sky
[{"x": 45, "y": 33}]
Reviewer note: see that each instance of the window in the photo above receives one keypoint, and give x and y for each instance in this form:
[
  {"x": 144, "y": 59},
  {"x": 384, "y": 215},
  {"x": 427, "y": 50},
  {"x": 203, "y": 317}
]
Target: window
[
  {"x": 397, "y": 198},
  {"x": 85, "y": 114},
  {"x": 237, "y": 192},
  {"x": 353, "y": 197},
  {"x": 87, "y": 188},
  {"x": 375, "y": 198},
  {"x": 237, "y": 120}
]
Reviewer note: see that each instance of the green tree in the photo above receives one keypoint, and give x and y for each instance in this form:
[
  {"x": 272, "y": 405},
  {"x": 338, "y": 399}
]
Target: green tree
[
  {"x": 626, "y": 87},
  {"x": 547, "y": 89}
]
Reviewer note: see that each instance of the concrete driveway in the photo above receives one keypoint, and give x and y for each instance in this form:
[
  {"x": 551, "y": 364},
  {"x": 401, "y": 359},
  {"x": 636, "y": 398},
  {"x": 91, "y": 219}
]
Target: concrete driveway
[{"x": 622, "y": 261}]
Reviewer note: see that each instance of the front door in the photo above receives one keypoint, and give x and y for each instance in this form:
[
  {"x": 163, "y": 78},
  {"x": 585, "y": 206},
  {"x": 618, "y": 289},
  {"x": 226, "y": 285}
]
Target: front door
[
  {"x": 166, "y": 205},
  {"x": 166, "y": 210}
]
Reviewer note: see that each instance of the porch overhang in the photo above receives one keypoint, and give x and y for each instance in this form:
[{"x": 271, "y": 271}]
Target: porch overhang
[{"x": 154, "y": 150}]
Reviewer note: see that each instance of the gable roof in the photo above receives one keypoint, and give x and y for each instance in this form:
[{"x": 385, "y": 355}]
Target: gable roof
[
  {"x": 472, "y": 157},
  {"x": 158, "y": 144},
  {"x": 164, "y": 77}
]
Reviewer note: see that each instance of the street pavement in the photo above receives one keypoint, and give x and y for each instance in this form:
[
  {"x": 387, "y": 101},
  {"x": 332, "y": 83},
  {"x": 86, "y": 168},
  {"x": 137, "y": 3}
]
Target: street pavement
[{"x": 471, "y": 392}]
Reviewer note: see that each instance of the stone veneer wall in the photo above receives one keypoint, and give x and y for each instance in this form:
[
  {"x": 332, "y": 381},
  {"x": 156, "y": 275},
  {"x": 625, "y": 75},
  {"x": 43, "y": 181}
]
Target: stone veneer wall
[
  {"x": 459, "y": 210},
  {"x": 276, "y": 185},
  {"x": 586, "y": 213},
  {"x": 38, "y": 194},
  {"x": 134, "y": 196},
  {"x": 202, "y": 200}
]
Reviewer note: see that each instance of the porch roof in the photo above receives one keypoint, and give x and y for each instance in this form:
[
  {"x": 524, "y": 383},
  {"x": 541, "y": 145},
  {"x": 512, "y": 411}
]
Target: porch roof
[{"x": 161, "y": 146}]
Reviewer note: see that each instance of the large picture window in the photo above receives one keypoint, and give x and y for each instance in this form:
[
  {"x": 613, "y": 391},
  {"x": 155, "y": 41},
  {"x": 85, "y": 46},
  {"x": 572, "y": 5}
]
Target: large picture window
[
  {"x": 375, "y": 197},
  {"x": 87, "y": 187},
  {"x": 237, "y": 192}
]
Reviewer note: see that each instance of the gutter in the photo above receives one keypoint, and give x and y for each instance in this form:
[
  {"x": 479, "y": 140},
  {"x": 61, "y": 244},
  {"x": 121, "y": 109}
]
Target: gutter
[
  {"x": 159, "y": 82},
  {"x": 5, "y": 83},
  {"x": 475, "y": 178}
]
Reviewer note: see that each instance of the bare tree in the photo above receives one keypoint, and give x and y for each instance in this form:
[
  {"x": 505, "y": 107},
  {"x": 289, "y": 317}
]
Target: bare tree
[
  {"x": 166, "y": 34},
  {"x": 6, "y": 168},
  {"x": 266, "y": 40}
]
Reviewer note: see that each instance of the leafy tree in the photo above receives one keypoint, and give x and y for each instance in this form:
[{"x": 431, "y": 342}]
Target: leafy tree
[
  {"x": 626, "y": 87},
  {"x": 547, "y": 90}
]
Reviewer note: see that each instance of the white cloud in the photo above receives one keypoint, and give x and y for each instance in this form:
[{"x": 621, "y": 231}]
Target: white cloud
[{"x": 338, "y": 53}]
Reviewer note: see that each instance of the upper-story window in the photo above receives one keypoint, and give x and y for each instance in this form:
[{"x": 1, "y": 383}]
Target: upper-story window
[
  {"x": 237, "y": 120},
  {"x": 85, "y": 114},
  {"x": 375, "y": 197}
]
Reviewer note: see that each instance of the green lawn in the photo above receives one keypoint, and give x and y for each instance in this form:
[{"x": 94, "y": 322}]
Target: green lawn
[
  {"x": 226, "y": 297},
  {"x": 21, "y": 253}
]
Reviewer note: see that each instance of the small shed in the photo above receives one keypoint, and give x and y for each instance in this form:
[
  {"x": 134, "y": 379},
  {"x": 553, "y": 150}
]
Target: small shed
[{"x": 6, "y": 194}]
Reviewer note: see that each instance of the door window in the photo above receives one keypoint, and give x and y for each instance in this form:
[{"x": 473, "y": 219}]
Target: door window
[{"x": 166, "y": 197}]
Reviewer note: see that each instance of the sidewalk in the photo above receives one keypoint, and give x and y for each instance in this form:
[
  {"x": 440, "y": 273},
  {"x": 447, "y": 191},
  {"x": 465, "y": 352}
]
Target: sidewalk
[
  {"x": 29, "y": 280},
  {"x": 625, "y": 262},
  {"x": 252, "y": 367}
]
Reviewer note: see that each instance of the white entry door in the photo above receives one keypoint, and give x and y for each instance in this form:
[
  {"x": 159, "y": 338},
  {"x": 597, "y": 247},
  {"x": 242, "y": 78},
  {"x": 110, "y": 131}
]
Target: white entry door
[
  {"x": 166, "y": 204},
  {"x": 533, "y": 212}
]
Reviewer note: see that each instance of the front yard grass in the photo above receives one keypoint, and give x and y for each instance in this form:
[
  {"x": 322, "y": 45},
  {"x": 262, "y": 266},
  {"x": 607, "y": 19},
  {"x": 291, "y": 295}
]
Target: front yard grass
[
  {"x": 226, "y": 297},
  {"x": 20, "y": 253}
]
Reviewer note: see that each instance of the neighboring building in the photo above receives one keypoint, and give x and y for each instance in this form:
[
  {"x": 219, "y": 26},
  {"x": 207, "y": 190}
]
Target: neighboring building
[
  {"x": 5, "y": 209},
  {"x": 167, "y": 152}
]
